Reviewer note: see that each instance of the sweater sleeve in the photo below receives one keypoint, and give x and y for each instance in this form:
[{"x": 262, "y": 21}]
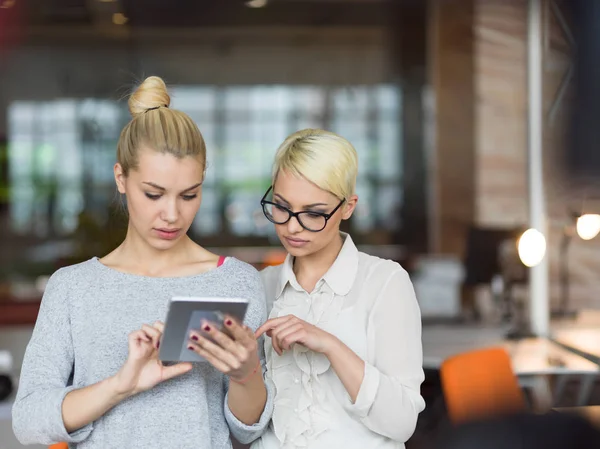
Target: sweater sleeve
[
  {"x": 46, "y": 371},
  {"x": 256, "y": 315}
]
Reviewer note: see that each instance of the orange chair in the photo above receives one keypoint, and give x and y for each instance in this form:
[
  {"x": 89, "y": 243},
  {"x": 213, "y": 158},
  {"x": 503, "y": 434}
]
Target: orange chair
[
  {"x": 59, "y": 446},
  {"x": 480, "y": 384}
]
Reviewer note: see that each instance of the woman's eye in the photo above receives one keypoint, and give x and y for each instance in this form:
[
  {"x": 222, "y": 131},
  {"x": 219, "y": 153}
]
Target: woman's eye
[
  {"x": 189, "y": 197},
  {"x": 314, "y": 214},
  {"x": 153, "y": 197}
]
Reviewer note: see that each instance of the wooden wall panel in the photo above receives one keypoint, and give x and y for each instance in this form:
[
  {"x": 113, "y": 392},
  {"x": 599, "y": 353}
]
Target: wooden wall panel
[
  {"x": 501, "y": 112},
  {"x": 452, "y": 75}
]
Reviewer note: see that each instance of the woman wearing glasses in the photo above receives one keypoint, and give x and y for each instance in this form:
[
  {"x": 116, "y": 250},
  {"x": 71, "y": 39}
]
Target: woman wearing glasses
[{"x": 343, "y": 342}]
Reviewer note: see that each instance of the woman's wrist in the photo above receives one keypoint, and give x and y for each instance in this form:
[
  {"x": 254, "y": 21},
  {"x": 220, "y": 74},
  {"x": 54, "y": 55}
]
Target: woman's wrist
[
  {"x": 332, "y": 344},
  {"x": 116, "y": 390},
  {"x": 248, "y": 377}
]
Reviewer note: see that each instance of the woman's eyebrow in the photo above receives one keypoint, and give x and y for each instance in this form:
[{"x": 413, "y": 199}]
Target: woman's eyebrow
[
  {"x": 156, "y": 186},
  {"x": 306, "y": 206}
]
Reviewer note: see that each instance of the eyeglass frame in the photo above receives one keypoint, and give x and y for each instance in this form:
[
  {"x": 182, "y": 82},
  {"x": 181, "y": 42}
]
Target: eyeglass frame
[{"x": 291, "y": 214}]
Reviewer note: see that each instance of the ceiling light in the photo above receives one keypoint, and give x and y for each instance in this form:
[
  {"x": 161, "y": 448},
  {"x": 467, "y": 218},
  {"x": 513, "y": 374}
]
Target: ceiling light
[
  {"x": 119, "y": 18},
  {"x": 256, "y": 3}
]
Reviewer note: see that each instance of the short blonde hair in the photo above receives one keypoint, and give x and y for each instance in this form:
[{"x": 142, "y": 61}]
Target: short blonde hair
[
  {"x": 327, "y": 160},
  {"x": 157, "y": 127}
]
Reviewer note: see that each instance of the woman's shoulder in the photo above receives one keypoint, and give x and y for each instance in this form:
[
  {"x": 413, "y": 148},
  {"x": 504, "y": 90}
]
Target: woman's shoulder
[
  {"x": 71, "y": 274},
  {"x": 379, "y": 273},
  {"x": 65, "y": 282},
  {"x": 267, "y": 273},
  {"x": 377, "y": 265},
  {"x": 239, "y": 266},
  {"x": 241, "y": 279},
  {"x": 238, "y": 273}
]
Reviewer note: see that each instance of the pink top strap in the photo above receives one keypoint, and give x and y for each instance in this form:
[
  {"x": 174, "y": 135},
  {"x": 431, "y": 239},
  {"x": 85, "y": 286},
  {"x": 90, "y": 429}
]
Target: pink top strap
[{"x": 221, "y": 260}]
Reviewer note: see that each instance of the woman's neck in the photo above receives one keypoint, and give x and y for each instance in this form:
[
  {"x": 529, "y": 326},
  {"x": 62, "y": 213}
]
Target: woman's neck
[
  {"x": 136, "y": 252},
  {"x": 309, "y": 269}
]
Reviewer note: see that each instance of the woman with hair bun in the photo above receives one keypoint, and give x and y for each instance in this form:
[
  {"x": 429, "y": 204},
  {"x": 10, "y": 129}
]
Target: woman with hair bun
[{"x": 91, "y": 376}]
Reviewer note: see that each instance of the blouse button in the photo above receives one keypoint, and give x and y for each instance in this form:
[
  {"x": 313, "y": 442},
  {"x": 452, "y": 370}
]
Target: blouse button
[
  {"x": 295, "y": 410},
  {"x": 296, "y": 380}
]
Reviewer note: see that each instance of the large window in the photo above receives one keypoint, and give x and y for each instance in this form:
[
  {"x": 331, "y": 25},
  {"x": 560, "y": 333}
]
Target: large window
[
  {"x": 60, "y": 162},
  {"x": 61, "y": 154}
]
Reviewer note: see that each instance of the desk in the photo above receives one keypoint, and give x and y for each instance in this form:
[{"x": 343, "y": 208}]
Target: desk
[
  {"x": 533, "y": 359},
  {"x": 443, "y": 341},
  {"x": 581, "y": 340},
  {"x": 531, "y": 356}
]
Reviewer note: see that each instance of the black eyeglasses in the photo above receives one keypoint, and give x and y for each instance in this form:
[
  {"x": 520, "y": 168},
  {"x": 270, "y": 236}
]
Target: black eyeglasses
[{"x": 311, "y": 221}]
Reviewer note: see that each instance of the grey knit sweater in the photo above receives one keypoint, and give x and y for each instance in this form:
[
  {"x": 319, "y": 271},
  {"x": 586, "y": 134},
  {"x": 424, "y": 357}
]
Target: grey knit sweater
[{"x": 80, "y": 338}]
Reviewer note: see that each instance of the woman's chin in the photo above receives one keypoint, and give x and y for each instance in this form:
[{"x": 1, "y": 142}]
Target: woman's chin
[
  {"x": 295, "y": 251},
  {"x": 162, "y": 244}
]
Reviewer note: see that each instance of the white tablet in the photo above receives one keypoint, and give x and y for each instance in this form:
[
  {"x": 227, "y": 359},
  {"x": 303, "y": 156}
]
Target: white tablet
[{"x": 186, "y": 314}]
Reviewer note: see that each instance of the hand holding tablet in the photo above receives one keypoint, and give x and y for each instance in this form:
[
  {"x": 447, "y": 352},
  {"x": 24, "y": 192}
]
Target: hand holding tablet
[
  {"x": 233, "y": 351},
  {"x": 187, "y": 314},
  {"x": 212, "y": 330}
]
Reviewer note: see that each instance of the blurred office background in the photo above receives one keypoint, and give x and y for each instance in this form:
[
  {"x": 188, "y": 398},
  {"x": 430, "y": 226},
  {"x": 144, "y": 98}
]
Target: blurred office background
[{"x": 433, "y": 94}]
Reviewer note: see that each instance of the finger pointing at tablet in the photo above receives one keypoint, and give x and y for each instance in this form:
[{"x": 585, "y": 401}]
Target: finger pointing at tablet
[{"x": 288, "y": 330}]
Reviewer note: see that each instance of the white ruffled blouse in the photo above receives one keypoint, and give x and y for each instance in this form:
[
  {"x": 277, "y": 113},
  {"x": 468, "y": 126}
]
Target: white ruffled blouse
[{"x": 370, "y": 305}]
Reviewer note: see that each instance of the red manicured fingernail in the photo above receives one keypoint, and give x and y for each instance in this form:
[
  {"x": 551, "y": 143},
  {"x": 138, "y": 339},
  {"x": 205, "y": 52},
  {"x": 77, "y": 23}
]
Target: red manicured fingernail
[
  {"x": 157, "y": 344},
  {"x": 190, "y": 348},
  {"x": 229, "y": 322},
  {"x": 207, "y": 328},
  {"x": 194, "y": 338}
]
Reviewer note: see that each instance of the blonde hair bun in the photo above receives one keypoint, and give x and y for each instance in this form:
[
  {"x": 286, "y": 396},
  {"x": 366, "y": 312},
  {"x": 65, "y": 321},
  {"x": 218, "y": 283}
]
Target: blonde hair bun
[
  {"x": 151, "y": 94},
  {"x": 164, "y": 130}
]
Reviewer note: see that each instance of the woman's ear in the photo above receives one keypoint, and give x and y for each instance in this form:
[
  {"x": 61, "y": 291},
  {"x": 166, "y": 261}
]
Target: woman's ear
[
  {"x": 119, "y": 178},
  {"x": 349, "y": 206}
]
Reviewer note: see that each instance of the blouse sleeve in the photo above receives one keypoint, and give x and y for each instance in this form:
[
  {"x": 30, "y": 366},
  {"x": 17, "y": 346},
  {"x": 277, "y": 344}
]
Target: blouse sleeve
[{"x": 389, "y": 399}]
